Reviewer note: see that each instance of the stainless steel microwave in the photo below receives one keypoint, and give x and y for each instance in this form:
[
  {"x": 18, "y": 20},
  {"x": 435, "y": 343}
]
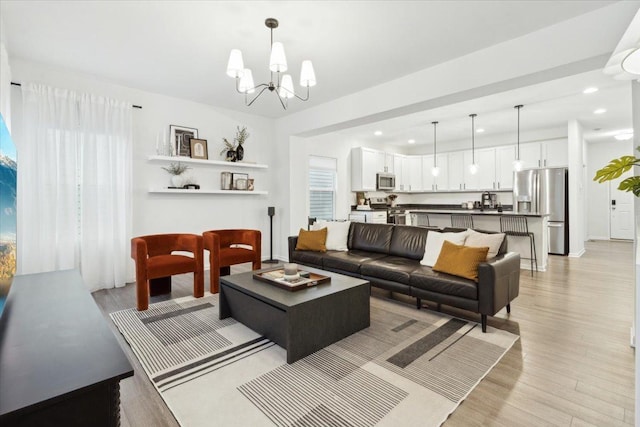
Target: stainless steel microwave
[{"x": 385, "y": 181}]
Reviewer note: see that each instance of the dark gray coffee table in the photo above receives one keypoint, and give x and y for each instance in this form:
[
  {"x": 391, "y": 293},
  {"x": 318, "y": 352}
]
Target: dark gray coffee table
[{"x": 303, "y": 321}]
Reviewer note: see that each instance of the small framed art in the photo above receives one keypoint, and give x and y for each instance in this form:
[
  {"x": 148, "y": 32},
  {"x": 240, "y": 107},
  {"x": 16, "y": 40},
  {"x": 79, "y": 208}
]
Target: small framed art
[
  {"x": 199, "y": 148},
  {"x": 180, "y": 137}
]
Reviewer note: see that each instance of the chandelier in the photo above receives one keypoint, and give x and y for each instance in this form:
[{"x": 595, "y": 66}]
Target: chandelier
[{"x": 281, "y": 84}]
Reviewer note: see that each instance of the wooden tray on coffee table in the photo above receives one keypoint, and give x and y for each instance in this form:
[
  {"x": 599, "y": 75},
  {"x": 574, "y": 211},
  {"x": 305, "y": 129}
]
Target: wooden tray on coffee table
[{"x": 276, "y": 277}]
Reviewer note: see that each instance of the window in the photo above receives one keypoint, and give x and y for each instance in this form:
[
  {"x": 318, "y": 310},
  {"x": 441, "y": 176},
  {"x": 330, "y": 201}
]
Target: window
[{"x": 322, "y": 187}]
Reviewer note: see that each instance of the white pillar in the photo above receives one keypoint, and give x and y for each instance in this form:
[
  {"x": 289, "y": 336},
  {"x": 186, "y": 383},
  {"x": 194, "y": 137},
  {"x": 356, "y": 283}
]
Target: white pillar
[{"x": 576, "y": 189}]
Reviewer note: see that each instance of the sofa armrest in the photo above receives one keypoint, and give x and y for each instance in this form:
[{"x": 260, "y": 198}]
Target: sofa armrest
[
  {"x": 498, "y": 282},
  {"x": 293, "y": 241}
]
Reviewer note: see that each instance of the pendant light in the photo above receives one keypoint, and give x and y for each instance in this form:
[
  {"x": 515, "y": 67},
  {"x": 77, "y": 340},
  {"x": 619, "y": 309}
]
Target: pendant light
[
  {"x": 435, "y": 171},
  {"x": 473, "y": 167},
  {"x": 517, "y": 164}
]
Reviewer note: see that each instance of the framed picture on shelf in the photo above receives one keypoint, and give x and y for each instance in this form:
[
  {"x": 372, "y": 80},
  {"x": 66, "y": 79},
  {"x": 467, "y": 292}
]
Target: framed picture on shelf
[
  {"x": 199, "y": 148},
  {"x": 240, "y": 181},
  {"x": 180, "y": 138}
]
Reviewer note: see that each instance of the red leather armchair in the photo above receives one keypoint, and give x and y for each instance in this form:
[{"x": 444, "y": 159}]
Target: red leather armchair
[
  {"x": 154, "y": 260},
  {"x": 224, "y": 251}
]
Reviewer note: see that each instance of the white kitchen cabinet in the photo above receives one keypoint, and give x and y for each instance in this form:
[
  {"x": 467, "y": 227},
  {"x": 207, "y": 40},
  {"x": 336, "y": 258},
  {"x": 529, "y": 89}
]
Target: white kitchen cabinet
[
  {"x": 555, "y": 153},
  {"x": 530, "y": 155},
  {"x": 456, "y": 170},
  {"x": 505, "y": 156},
  {"x": 435, "y": 183},
  {"x": 365, "y": 163},
  {"x": 389, "y": 160},
  {"x": 399, "y": 164},
  {"x": 414, "y": 164},
  {"x": 375, "y": 217},
  {"x": 485, "y": 178},
  {"x": 428, "y": 180}
]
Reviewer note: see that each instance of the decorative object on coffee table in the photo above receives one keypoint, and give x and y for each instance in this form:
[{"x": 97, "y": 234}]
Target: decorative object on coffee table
[
  {"x": 291, "y": 282},
  {"x": 180, "y": 137},
  {"x": 199, "y": 148},
  {"x": 176, "y": 170}
]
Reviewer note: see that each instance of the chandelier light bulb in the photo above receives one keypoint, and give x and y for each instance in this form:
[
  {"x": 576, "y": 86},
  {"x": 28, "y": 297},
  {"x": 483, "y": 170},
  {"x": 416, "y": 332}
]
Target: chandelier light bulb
[
  {"x": 235, "y": 66},
  {"x": 517, "y": 165},
  {"x": 307, "y": 75},
  {"x": 473, "y": 169},
  {"x": 435, "y": 171},
  {"x": 286, "y": 87},
  {"x": 278, "y": 60},
  {"x": 246, "y": 84}
]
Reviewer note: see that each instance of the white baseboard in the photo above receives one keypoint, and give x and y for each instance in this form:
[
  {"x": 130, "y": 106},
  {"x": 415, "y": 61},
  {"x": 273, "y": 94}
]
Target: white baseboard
[
  {"x": 598, "y": 238},
  {"x": 578, "y": 254}
]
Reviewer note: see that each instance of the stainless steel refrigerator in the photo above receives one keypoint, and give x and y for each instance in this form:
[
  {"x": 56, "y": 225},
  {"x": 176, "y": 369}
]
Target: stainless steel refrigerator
[{"x": 545, "y": 191}]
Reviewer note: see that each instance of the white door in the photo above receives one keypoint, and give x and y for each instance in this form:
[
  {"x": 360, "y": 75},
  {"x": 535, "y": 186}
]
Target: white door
[{"x": 621, "y": 208}]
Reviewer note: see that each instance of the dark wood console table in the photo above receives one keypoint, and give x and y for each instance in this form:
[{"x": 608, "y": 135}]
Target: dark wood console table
[{"x": 60, "y": 364}]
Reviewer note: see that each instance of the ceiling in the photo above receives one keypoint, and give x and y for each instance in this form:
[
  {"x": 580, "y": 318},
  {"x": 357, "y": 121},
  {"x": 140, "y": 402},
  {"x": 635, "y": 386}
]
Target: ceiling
[{"x": 180, "y": 48}]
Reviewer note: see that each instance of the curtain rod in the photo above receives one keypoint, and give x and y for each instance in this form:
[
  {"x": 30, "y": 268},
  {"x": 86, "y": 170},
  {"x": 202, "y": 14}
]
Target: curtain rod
[{"x": 19, "y": 84}]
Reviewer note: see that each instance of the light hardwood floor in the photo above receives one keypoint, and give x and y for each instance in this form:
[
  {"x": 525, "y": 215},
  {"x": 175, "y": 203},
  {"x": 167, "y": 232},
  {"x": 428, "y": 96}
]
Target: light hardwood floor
[{"x": 573, "y": 365}]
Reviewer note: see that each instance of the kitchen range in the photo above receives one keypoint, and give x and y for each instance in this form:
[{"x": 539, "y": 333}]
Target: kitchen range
[{"x": 378, "y": 210}]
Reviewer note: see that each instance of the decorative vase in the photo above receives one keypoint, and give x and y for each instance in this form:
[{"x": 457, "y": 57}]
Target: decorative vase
[
  {"x": 239, "y": 153},
  {"x": 176, "y": 181},
  {"x": 231, "y": 156}
]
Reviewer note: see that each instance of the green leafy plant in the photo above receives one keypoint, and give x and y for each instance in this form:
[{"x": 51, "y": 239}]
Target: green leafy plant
[
  {"x": 228, "y": 146},
  {"x": 176, "y": 168},
  {"x": 616, "y": 168}
]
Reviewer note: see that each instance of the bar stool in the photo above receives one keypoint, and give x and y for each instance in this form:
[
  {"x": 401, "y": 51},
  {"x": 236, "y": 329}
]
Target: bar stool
[
  {"x": 421, "y": 219},
  {"x": 517, "y": 225},
  {"x": 461, "y": 221}
]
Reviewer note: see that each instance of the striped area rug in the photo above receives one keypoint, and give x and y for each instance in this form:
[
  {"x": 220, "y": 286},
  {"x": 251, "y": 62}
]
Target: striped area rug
[{"x": 410, "y": 367}]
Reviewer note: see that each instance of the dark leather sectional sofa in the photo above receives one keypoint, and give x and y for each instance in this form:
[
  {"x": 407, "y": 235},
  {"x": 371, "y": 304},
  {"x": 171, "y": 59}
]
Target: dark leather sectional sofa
[{"x": 388, "y": 256}]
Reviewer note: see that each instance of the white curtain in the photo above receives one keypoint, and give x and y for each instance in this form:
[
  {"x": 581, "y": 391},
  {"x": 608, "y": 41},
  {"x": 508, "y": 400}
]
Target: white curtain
[{"x": 74, "y": 185}]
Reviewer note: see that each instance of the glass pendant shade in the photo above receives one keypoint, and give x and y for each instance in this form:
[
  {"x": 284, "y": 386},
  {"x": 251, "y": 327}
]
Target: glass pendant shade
[
  {"x": 307, "y": 75},
  {"x": 473, "y": 169},
  {"x": 235, "y": 66},
  {"x": 631, "y": 63},
  {"x": 517, "y": 165},
  {"x": 246, "y": 84},
  {"x": 278, "y": 61},
  {"x": 286, "y": 87},
  {"x": 435, "y": 171}
]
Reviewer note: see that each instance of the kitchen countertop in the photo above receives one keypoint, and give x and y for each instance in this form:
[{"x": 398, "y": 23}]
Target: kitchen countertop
[{"x": 475, "y": 212}]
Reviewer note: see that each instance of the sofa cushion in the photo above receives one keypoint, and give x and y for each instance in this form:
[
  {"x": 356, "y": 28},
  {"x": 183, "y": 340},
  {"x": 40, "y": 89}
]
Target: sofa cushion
[
  {"x": 427, "y": 279},
  {"x": 348, "y": 261},
  {"x": 312, "y": 240},
  {"x": 460, "y": 260},
  {"x": 503, "y": 246},
  {"x": 370, "y": 237},
  {"x": 434, "y": 244},
  {"x": 337, "y": 234},
  {"x": 392, "y": 268},
  {"x": 492, "y": 241},
  {"x": 308, "y": 258},
  {"x": 408, "y": 242}
]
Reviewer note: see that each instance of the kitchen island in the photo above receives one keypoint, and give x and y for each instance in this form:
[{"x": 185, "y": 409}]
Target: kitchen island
[{"x": 490, "y": 220}]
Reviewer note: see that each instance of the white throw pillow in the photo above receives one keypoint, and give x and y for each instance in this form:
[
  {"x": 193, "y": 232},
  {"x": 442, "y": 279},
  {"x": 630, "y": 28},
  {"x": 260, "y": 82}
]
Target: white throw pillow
[
  {"x": 434, "y": 245},
  {"x": 337, "y": 234},
  {"x": 493, "y": 241}
]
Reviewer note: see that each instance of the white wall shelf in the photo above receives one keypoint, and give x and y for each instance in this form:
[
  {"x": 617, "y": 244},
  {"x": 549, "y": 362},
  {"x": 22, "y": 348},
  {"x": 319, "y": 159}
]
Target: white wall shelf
[
  {"x": 207, "y": 162},
  {"x": 192, "y": 191}
]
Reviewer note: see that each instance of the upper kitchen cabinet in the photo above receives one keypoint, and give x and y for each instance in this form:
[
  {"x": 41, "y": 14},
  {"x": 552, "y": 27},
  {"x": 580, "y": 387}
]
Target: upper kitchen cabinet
[
  {"x": 485, "y": 177},
  {"x": 505, "y": 156},
  {"x": 389, "y": 162},
  {"x": 530, "y": 155},
  {"x": 456, "y": 170},
  {"x": 365, "y": 164},
  {"x": 555, "y": 153}
]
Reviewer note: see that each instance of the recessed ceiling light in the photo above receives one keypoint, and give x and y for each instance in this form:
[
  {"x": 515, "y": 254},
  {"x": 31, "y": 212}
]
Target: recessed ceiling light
[
  {"x": 412, "y": 141},
  {"x": 600, "y": 111},
  {"x": 479, "y": 130},
  {"x": 590, "y": 90},
  {"x": 378, "y": 133},
  {"x": 624, "y": 136}
]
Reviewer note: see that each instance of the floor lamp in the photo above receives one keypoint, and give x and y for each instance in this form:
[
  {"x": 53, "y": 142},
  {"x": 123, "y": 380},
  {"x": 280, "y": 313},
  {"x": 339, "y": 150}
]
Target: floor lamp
[{"x": 271, "y": 211}]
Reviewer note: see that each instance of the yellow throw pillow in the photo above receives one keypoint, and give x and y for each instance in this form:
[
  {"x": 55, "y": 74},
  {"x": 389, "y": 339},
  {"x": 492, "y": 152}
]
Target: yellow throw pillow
[
  {"x": 460, "y": 260},
  {"x": 312, "y": 240}
]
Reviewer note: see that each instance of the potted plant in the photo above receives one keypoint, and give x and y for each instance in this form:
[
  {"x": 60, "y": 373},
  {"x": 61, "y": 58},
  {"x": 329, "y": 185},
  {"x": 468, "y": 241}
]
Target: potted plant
[
  {"x": 230, "y": 149},
  {"x": 176, "y": 170},
  {"x": 241, "y": 137}
]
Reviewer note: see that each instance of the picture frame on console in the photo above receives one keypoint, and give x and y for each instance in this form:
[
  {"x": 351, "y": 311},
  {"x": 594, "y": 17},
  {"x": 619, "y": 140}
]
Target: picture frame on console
[
  {"x": 199, "y": 149},
  {"x": 180, "y": 137}
]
